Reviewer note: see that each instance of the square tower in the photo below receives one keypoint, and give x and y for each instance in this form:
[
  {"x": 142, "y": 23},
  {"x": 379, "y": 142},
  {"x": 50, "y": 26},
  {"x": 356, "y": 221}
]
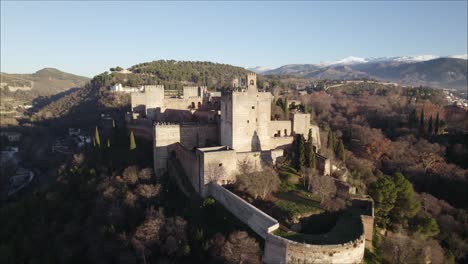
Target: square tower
[
  {"x": 251, "y": 83},
  {"x": 245, "y": 118}
]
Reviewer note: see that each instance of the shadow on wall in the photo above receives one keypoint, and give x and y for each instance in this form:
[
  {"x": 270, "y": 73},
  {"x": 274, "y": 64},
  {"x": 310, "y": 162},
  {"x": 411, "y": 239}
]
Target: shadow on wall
[{"x": 256, "y": 142}]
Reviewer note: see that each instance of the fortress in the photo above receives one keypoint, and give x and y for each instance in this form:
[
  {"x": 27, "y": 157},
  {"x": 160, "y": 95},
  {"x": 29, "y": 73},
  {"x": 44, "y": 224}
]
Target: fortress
[
  {"x": 214, "y": 129},
  {"x": 208, "y": 136}
]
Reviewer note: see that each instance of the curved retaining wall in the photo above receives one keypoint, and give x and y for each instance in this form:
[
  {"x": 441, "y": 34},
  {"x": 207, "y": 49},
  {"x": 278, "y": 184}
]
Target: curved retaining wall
[{"x": 281, "y": 250}]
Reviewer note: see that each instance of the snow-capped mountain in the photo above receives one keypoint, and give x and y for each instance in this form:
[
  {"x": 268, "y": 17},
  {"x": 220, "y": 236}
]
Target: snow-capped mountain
[
  {"x": 259, "y": 69},
  {"x": 346, "y": 61},
  {"x": 433, "y": 70}
]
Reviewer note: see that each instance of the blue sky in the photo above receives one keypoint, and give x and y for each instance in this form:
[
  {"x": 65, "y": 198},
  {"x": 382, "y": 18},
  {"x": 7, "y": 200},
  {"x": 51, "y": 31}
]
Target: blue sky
[{"x": 89, "y": 37}]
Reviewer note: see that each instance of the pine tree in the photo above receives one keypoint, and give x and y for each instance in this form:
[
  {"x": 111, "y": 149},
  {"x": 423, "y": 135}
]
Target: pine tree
[
  {"x": 97, "y": 140},
  {"x": 437, "y": 125},
  {"x": 132, "y": 141},
  {"x": 421, "y": 122},
  {"x": 429, "y": 126},
  {"x": 341, "y": 151}
]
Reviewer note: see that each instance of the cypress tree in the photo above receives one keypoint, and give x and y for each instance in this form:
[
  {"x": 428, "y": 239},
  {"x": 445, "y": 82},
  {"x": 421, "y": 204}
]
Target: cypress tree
[
  {"x": 437, "y": 125},
  {"x": 413, "y": 119},
  {"x": 299, "y": 152},
  {"x": 279, "y": 103},
  {"x": 97, "y": 140},
  {"x": 310, "y": 154},
  {"x": 429, "y": 126},
  {"x": 313, "y": 161},
  {"x": 341, "y": 151},
  {"x": 132, "y": 141},
  {"x": 421, "y": 121},
  {"x": 286, "y": 108},
  {"x": 330, "y": 143}
]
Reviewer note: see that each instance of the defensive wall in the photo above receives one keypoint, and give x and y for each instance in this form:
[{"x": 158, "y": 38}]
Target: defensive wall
[
  {"x": 280, "y": 250},
  {"x": 189, "y": 135},
  {"x": 258, "y": 221},
  {"x": 283, "y": 250}
]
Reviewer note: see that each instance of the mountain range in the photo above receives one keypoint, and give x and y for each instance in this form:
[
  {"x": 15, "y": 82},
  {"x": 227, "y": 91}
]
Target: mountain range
[
  {"x": 431, "y": 70},
  {"x": 46, "y": 81}
]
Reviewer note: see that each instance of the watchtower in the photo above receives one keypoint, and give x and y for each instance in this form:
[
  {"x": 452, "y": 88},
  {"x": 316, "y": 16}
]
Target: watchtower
[{"x": 251, "y": 82}]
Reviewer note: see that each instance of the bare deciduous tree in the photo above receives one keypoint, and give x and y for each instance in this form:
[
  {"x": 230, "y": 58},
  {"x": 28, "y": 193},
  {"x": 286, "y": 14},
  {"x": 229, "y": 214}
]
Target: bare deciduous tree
[
  {"x": 239, "y": 247},
  {"x": 130, "y": 175},
  {"x": 323, "y": 186},
  {"x": 260, "y": 183},
  {"x": 148, "y": 190}
]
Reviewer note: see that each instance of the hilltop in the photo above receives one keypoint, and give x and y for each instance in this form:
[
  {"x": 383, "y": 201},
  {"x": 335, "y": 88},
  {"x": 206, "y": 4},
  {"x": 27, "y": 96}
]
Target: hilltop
[
  {"x": 46, "y": 81},
  {"x": 94, "y": 98}
]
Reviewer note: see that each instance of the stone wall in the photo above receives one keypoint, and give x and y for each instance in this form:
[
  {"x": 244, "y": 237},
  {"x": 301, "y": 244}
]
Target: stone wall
[
  {"x": 194, "y": 91},
  {"x": 190, "y": 136},
  {"x": 183, "y": 103},
  {"x": 281, "y": 250},
  {"x": 190, "y": 163},
  {"x": 280, "y": 128},
  {"x": 366, "y": 204},
  {"x": 217, "y": 164},
  {"x": 281, "y": 142},
  {"x": 323, "y": 165},
  {"x": 258, "y": 221}
]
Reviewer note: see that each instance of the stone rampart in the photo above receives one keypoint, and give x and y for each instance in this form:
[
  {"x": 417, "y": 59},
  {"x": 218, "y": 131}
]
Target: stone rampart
[
  {"x": 258, "y": 221},
  {"x": 281, "y": 250},
  {"x": 189, "y": 135},
  {"x": 189, "y": 162}
]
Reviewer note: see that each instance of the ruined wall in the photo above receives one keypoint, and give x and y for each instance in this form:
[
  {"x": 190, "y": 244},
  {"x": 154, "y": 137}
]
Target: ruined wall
[
  {"x": 280, "y": 250},
  {"x": 323, "y": 165},
  {"x": 280, "y": 128},
  {"x": 257, "y": 220}
]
